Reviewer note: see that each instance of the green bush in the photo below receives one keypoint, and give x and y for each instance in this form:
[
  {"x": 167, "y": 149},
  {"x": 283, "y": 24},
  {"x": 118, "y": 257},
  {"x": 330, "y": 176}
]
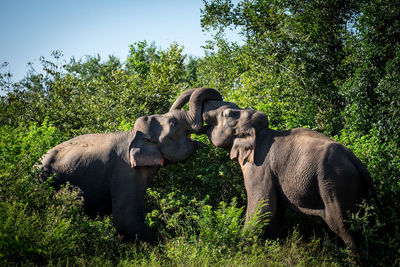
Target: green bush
[
  {"x": 195, "y": 233},
  {"x": 41, "y": 226},
  {"x": 57, "y": 232},
  {"x": 195, "y": 220},
  {"x": 208, "y": 172},
  {"x": 332, "y": 66},
  {"x": 36, "y": 223}
]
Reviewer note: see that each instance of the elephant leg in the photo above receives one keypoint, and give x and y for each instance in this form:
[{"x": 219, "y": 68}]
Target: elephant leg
[
  {"x": 277, "y": 224},
  {"x": 334, "y": 217},
  {"x": 97, "y": 203},
  {"x": 127, "y": 208},
  {"x": 268, "y": 194},
  {"x": 275, "y": 229}
]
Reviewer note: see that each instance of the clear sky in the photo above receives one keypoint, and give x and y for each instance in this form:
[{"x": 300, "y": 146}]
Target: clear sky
[{"x": 33, "y": 28}]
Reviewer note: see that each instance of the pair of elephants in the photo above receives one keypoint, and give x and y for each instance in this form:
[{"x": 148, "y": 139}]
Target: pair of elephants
[{"x": 299, "y": 168}]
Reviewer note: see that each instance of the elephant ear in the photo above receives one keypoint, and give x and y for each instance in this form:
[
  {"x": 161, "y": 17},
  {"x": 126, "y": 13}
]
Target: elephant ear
[
  {"x": 244, "y": 147},
  {"x": 144, "y": 152}
]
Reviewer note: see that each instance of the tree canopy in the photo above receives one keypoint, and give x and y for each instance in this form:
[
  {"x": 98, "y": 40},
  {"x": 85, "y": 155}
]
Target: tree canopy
[{"x": 333, "y": 66}]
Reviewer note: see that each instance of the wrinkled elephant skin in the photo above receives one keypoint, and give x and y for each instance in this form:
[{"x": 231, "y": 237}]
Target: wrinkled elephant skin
[
  {"x": 299, "y": 169},
  {"x": 113, "y": 170}
]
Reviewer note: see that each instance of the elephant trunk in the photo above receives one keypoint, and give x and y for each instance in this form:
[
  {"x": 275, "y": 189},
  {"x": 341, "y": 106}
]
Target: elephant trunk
[
  {"x": 196, "y": 97},
  {"x": 182, "y": 99}
]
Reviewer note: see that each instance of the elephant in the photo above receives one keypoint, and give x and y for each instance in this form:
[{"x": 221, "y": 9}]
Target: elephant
[
  {"x": 298, "y": 169},
  {"x": 114, "y": 169}
]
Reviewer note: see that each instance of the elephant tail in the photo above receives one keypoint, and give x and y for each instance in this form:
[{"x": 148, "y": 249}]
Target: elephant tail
[{"x": 366, "y": 176}]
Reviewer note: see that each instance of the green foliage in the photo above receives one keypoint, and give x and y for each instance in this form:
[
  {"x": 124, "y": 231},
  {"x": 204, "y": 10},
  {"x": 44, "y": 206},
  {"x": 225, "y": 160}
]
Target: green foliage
[
  {"x": 208, "y": 172},
  {"x": 92, "y": 95},
  {"x": 36, "y": 223},
  {"x": 41, "y": 226},
  {"x": 291, "y": 62},
  {"x": 56, "y": 232},
  {"x": 196, "y": 233},
  {"x": 383, "y": 161},
  {"x": 365, "y": 221},
  {"x": 92, "y": 68},
  {"x": 222, "y": 228},
  {"x": 329, "y": 65},
  {"x": 21, "y": 149},
  {"x": 372, "y": 91},
  {"x": 291, "y": 252},
  {"x": 322, "y": 64}
]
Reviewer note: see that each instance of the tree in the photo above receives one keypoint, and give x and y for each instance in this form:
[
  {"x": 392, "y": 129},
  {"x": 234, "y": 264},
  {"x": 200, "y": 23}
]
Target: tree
[
  {"x": 372, "y": 91},
  {"x": 95, "y": 95},
  {"x": 296, "y": 49}
]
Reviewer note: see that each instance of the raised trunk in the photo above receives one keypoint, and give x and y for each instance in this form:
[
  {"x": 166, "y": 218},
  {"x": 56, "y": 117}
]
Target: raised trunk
[
  {"x": 182, "y": 99},
  {"x": 196, "y": 98}
]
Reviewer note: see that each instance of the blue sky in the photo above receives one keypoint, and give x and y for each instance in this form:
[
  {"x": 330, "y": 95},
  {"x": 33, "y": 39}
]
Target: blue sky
[{"x": 33, "y": 28}]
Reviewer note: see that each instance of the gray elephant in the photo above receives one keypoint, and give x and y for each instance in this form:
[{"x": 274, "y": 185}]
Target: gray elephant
[
  {"x": 113, "y": 170},
  {"x": 299, "y": 168}
]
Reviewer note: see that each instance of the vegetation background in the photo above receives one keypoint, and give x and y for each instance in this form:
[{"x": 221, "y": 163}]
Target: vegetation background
[{"x": 333, "y": 66}]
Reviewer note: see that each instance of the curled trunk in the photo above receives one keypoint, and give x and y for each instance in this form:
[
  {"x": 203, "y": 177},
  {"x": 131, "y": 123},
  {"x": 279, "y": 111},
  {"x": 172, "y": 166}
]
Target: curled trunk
[{"x": 196, "y": 98}]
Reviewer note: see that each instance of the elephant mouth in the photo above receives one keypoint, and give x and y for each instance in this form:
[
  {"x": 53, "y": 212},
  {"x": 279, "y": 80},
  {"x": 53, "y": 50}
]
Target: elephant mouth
[
  {"x": 182, "y": 151},
  {"x": 224, "y": 143}
]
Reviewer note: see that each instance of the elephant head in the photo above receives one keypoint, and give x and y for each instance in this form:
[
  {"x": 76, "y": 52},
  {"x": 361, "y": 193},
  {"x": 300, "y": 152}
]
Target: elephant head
[
  {"x": 234, "y": 129},
  {"x": 167, "y": 136},
  {"x": 229, "y": 126}
]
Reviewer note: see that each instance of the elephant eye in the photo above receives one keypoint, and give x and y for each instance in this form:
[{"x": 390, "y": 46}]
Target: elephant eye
[
  {"x": 226, "y": 113},
  {"x": 173, "y": 123}
]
